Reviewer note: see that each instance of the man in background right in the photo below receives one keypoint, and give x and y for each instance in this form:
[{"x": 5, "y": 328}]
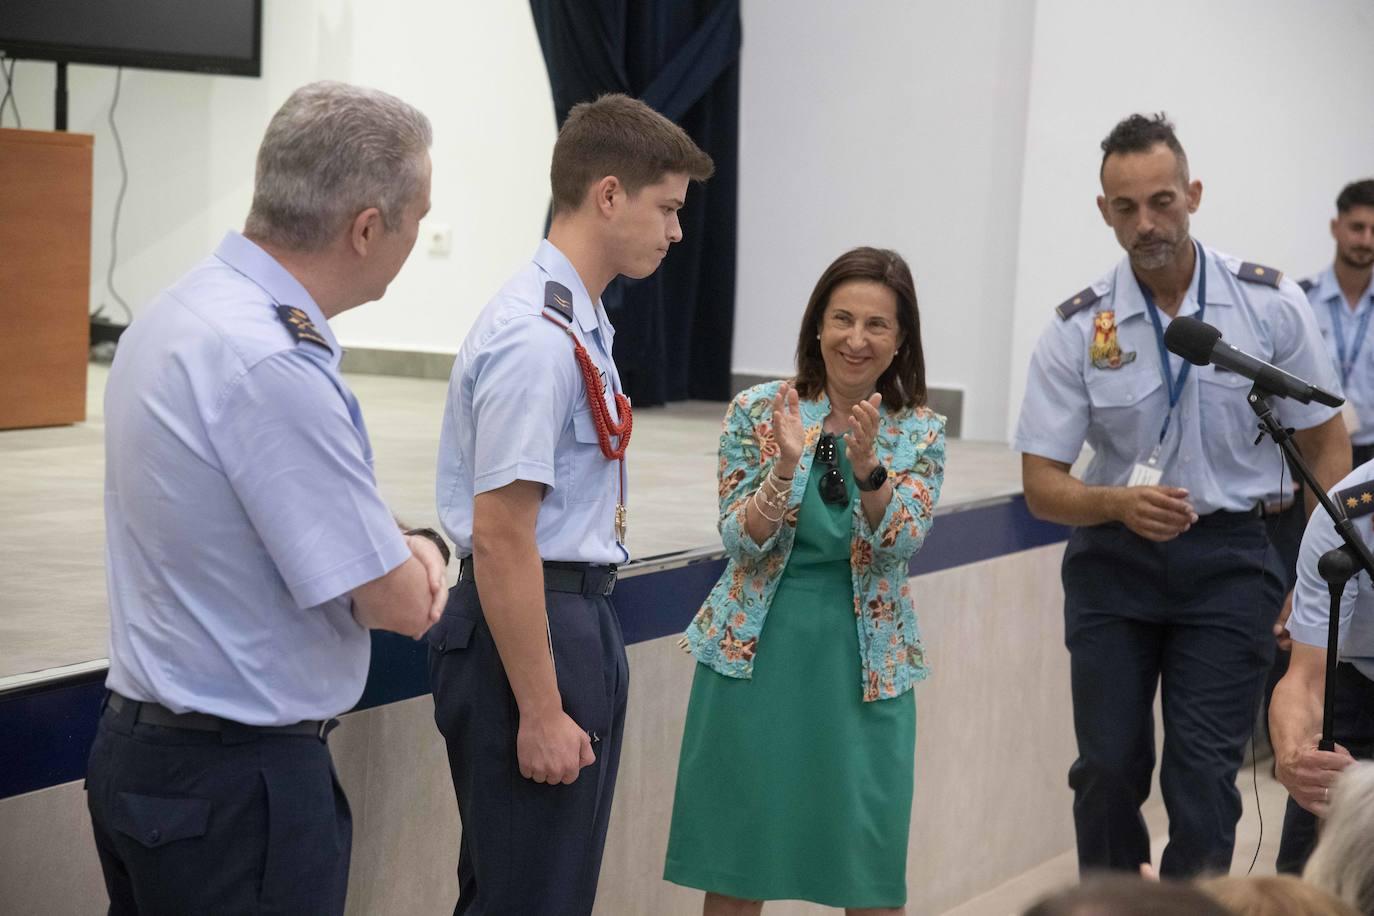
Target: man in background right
[{"x": 1343, "y": 300}]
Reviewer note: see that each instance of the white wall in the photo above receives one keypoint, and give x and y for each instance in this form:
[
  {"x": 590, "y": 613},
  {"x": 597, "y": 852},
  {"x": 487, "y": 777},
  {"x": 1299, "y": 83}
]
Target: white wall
[
  {"x": 190, "y": 141},
  {"x": 891, "y": 123},
  {"x": 963, "y": 135},
  {"x": 1271, "y": 99}
]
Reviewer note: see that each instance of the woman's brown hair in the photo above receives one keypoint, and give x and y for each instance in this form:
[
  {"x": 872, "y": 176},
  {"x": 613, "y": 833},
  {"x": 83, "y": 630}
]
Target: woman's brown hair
[{"x": 902, "y": 384}]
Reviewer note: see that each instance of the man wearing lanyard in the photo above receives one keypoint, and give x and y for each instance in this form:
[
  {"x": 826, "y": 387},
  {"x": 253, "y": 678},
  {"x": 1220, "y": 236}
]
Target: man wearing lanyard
[
  {"x": 527, "y": 663},
  {"x": 1342, "y": 300},
  {"x": 1169, "y": 578}
]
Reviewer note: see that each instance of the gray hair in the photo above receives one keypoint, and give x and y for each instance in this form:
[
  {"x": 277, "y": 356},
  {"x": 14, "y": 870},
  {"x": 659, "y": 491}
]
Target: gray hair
[
  {"x": 330, "y": 152},
  {"x": 1343, "y": 862}
]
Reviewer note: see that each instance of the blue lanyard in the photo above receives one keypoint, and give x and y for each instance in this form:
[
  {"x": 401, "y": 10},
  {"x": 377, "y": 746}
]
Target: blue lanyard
[
  {"x": 1338, "y": 329},
  {"x": 1175, "y": 385}
]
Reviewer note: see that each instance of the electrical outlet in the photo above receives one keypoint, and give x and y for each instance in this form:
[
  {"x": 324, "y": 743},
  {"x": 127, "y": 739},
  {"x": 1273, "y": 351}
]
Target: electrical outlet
[{"x": 439, "y": 238}]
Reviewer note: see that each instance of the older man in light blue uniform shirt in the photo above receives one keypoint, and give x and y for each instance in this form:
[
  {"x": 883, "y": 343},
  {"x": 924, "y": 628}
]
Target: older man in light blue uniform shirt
[
  {"x": 258, "y": 441},
  {"x": 248, "y": 548},
  {"x": 1171, "y": 584}
]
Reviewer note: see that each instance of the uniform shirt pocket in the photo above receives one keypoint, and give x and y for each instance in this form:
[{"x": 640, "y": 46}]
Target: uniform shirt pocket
[
  {"x": 1127, "y": 408},
  {"x": 154, "y": 821},
  {"x": 593, "y": 474},
  {"x": 1222, "y": 397}
]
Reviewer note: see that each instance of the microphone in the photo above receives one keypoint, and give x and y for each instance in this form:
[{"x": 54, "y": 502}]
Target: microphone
[{"x": 1200, "y": 343}]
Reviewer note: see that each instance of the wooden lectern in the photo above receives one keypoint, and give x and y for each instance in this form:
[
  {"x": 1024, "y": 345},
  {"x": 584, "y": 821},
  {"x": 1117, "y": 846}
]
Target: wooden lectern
[{"x": 45, "y": 276}]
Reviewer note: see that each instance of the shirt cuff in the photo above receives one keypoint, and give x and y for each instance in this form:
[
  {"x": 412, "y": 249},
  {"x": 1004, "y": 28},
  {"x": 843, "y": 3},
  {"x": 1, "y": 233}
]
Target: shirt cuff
[
  {"x": 1308, "y": 634},
  {"x": 1046, "y": 449},
  {"x": 345, "y": 577},
  {"x": 533, "y": 471}
]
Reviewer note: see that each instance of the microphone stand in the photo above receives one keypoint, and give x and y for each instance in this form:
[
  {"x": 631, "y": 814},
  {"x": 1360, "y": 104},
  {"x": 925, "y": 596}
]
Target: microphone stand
[{"x": 1338, "y": 564}]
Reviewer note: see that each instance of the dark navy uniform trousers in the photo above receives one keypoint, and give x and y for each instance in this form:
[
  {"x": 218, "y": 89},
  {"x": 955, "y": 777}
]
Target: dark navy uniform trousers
[
  {"x": 236, "y": 821},
  {"x": 528, "y": 847},
  {"x": 1194, "y": 616},
  {"x": 1352, "y": 725}
]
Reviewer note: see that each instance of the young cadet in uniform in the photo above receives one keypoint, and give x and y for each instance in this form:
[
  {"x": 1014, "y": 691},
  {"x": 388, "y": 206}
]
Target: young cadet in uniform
[
  {"x": 1342, "y": 298},
  {"x": 248, "y": 550},
  {"x": 1295, "y": 714},
  {"x": 527, "y": 664},
  {"x": 1168, "y": 577}
]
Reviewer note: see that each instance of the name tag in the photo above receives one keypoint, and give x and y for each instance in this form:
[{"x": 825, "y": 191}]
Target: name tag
[{"x": 1145, "y": 475}]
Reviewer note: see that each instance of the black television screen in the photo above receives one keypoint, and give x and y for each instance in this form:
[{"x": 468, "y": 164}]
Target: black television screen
[{"x": 206, "y": 36}]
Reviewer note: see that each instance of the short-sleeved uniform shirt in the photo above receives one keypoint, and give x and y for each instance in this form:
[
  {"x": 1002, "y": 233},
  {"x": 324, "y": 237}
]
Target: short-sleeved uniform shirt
[
  {"x": 1309, "y": 622},
  {"x": 1347, "y": 334},
  {"x": 1096, "y": 377},
  {"x": 241, "y": 507},
  {"x": 518, "y": 409}
]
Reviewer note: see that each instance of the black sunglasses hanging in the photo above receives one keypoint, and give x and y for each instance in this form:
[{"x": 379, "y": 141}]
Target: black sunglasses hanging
[{"x": 832, "y": 486}]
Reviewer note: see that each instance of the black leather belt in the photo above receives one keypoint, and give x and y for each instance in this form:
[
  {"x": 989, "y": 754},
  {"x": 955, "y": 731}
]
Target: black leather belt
[
  {"x": 157, "y": 714},
  {"x": 560, "y": 576}
]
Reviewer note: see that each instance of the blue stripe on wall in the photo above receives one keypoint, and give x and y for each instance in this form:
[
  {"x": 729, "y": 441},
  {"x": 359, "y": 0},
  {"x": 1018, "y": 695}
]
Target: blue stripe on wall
[{"x": 46, "y": 731}]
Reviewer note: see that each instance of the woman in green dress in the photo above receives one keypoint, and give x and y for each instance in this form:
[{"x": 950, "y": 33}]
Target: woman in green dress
[{"x": 795, "y": 778}]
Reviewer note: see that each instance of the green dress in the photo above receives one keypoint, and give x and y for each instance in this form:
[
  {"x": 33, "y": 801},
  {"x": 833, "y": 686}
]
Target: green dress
[{"x": 790, "y": 786}]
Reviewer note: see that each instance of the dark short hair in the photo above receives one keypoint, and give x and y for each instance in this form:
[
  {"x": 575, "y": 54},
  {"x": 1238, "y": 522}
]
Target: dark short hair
[
  {"x": 1128, "y": 895},
  {"x": 903, "y": 384},
  {"x": 620, "y": 136},
  {"x": 1356, "y": 194},
  {"x": 1140, "y": 134}
]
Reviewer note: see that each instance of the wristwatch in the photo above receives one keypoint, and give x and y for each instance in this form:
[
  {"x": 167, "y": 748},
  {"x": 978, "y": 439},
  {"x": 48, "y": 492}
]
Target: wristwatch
[
  {"x": 876, "y": 478},
  {"x": 433, "y": 537}
]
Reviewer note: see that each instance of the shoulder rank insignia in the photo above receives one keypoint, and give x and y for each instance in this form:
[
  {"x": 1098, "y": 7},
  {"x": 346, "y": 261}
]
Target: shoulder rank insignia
[
  {"x": 1307, "y": 284},
  {"x": 559, "y": 298},
  {"x": 1076, "y": 303},
  {"x": 1104, "y": 351},
  {"x": 300, "y": 325},
  {"x": 1258, "y": 273},
  {"x": 1357, "y": 500}
]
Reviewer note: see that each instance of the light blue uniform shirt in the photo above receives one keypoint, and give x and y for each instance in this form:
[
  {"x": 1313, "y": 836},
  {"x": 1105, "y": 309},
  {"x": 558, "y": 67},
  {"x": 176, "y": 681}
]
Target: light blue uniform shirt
[
  {"x": 1210, "y": 449},
  {"x": 517, "y": 410},
  {"x": 1328, "y": 302},
  {"x": 1308, "y": 623},
  {"x": 240, "y": 503}
]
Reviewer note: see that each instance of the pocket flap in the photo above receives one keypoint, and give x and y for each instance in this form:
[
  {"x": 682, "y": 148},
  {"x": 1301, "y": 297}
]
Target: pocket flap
[
  {"x": 155, "y": 821},
  {"x": 451, "y": 632}
]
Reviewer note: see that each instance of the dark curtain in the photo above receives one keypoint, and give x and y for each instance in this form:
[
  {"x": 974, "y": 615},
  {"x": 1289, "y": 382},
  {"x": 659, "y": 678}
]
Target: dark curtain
[{"x": 672, "y": 330}]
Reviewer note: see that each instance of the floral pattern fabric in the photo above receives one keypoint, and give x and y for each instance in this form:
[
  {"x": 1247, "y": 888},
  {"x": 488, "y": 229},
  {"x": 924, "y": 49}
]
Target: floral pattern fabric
[{"x": 724, "y": 635}]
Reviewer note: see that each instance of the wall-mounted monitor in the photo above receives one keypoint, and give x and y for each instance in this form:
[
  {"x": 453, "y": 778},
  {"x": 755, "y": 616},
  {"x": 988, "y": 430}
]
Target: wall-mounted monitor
[{"x": 203, "y": 36}]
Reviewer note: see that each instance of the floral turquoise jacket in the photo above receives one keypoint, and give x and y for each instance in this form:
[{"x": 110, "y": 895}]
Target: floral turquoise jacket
[{"x": 724, "y": 635}]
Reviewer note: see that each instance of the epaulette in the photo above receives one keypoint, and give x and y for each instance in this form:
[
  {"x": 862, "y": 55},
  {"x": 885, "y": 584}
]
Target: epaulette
[
  {"x": 1307, "y": 284},
  {"x": 1258, "y": 273},
  {"x": 1076, "y": 303},
  {"x": 559, "y": 298},
  {"x": 1357, "y": 500},
  {"x": 301, "y": 327}
]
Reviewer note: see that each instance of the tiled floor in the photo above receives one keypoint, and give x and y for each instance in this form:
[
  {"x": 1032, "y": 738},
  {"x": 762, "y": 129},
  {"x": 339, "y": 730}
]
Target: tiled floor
[
  {"x": 52, "y": 585},
  {"x": 1259, "y": 820}
]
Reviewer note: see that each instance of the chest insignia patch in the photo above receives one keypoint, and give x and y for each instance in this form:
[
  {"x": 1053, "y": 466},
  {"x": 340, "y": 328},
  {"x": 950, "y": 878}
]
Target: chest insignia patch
[
  {"x": 1105, "y": 352},
  {"x": 300, "y": 325}
]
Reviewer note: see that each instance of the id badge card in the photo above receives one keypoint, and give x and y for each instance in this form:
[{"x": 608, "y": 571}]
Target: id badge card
[
  {"x": 1350, "y": 417},
  {"x": 1148, "y": 470}
]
